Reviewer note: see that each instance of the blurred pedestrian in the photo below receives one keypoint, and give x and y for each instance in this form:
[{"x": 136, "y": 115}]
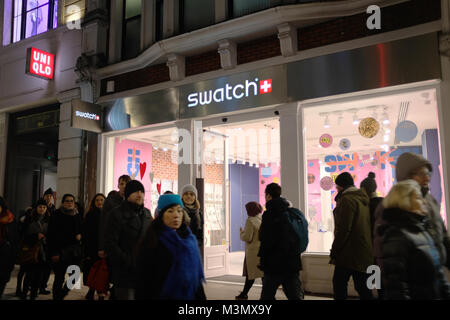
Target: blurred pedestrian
[
  {"x": 49, "y": 198},
  {"x": 351, "y": 252},
  {"x": 411, "y": 262},
  {"x": 250, "y": 235},
  {"x": 64, "y": 243},
  {"x": 169, "y": 263},
  {"x": 280, "y": 257},
  {"x": 36, "y": 228},
  {"x": 9, "y": 238},
  {"x": 127, "y": 225},
  {"x": 90, "y": 237}
]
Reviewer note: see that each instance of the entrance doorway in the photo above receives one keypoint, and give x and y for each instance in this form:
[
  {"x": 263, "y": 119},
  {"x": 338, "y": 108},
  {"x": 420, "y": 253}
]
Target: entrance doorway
[{"x": 240, "y": 160}]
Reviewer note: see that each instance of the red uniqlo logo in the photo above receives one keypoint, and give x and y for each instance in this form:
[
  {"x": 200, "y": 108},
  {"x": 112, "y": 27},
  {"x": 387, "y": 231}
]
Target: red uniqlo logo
[
  {"x": 265, "y": 86},
  {"x": 40, "y": 63}
]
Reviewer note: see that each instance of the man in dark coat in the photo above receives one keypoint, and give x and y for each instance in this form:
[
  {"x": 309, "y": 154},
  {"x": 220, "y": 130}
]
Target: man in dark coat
[
  {"x": 126, "y": 227},
  {"x": 48, "y": 197},
  {"x": 277, "y": 260},
  {"x": 351, "y": 251}
]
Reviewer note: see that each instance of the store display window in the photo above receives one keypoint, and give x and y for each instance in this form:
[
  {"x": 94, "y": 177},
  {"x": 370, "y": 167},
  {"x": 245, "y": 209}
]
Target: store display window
[{"x": 362, "y": 137}]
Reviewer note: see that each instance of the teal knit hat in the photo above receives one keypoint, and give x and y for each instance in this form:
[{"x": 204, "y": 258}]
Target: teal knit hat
[{"x": 168, "y": 200}]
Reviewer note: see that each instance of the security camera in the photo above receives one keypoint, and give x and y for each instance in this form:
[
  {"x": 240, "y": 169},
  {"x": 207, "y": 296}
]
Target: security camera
[
  {"x": 225, "y": 120},
  {"x": 277, "y": 113}
]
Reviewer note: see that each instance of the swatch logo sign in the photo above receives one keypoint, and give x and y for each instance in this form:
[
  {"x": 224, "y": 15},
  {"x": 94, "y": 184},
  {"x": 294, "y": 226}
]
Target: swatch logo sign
[
  {"x": 229, "y": 92},
  {"x": 87, "y": 115}
]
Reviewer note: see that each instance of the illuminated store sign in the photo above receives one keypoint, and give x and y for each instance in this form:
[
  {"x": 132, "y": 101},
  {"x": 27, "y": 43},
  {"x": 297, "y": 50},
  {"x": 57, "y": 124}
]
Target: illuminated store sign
[
  {"x": 228, "y": 93},
  {"x": 87, "y": 116},
  {"x": 40, "y": 63}
]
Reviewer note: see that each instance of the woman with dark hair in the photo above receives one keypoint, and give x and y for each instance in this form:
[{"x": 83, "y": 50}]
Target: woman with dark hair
[
  {"x": 9, "y": 238},
  {"x": 250, "y": 235},
  {"x": 35, "y": 233},
  {"x": 91, "y": 225},
  {"x": 64, "y": 236},
  {"x": 168, "y": 261}
]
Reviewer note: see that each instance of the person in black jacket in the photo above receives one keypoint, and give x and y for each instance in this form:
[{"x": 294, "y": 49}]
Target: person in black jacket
[
  {"x": 36, "y": 227},
  {"x": 126, "y": 227},
  {"x": 189, "y": 197},
  {"x": 411, "y": 266},
  {"x": 9, "y": 238},
  {"x": 48, "y": 197},
  {"x": 64, "y": 243},
  {"x": 90, "y": 240},
  {"x": 279, "y": 264},
  {"x": 169, "y": 266}
]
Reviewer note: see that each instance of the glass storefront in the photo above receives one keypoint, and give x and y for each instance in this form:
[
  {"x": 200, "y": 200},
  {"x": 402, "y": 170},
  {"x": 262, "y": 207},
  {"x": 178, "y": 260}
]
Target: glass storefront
[{"x": 366, "y": 136}]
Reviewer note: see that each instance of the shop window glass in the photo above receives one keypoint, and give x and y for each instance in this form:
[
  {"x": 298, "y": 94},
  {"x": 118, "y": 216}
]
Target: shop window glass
[
  {"x": 33, "y": 17},
  {"x": 197, "y": 14},
  {"x": 131, "y": 44},
  {"x": 159, "y": 19},
  {"x": 362, "y": 137},
  {"x": 146, "y": 157}
]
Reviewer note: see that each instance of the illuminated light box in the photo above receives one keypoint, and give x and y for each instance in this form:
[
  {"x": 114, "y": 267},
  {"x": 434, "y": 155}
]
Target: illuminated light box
[{"x": 40, "y": 63}]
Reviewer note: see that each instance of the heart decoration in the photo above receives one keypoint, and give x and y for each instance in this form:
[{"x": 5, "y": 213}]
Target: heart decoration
[
  {"x": 158, "y": 187},
  {"x": 143, "y": 167}
]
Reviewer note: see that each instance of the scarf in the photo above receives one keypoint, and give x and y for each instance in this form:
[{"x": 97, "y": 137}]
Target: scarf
[{"x": 186, "y": 273}]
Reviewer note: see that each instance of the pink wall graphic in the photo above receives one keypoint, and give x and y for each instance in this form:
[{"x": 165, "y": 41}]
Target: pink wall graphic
[
  {"x": 268, "y": 175},
  {"x": 135, "y": 159}
]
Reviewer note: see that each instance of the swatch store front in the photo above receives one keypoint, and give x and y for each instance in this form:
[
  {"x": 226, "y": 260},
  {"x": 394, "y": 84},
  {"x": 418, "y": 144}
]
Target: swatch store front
[{"x": 299, "y": 124}]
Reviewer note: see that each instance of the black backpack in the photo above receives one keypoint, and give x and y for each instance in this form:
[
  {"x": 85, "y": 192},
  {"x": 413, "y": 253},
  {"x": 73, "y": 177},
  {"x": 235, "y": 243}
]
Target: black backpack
[{"x": 297, "y": 230}]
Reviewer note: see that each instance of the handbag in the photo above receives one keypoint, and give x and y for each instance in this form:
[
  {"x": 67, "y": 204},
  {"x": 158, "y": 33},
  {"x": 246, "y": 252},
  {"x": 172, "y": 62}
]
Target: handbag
[
  {"x": 98, "y": 278},
  {"x": 28, "y": 254}
]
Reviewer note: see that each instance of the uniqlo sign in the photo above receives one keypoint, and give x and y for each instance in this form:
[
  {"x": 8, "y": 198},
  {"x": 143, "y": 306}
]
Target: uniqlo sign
[{"x": 40, "y": 63}]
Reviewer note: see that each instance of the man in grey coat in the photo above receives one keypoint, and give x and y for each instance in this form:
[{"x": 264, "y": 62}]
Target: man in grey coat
[{"x": 416, "y": 167}]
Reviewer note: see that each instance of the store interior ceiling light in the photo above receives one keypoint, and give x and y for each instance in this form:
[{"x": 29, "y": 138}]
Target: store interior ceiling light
[
  {"x": 326, "y": 124},
  {"x": 355, "y": 119}
]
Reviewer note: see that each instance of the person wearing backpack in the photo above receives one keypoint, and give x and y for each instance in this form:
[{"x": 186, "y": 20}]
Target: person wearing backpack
[
  {"x": 351, "y": 252},
  {"x": 280, "y": 249}
]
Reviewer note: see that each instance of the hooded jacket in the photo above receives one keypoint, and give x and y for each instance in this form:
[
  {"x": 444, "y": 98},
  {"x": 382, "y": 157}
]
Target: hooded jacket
[
  {"x": 435, "y": 225},
  {"x": 352, "y": 245},
  {"x": 411, "y": 264},
  {"x": 275, "y": 253}
]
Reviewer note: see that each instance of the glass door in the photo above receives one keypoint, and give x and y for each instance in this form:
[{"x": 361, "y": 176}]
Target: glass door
[{"x": 216, "y": 202}]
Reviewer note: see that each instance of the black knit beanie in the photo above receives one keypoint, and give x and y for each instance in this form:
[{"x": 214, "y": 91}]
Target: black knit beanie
[
  {"x": 345, "y": 180},
  {"x": 369, "y": 184},
  {"x": 132, "y": 187}
]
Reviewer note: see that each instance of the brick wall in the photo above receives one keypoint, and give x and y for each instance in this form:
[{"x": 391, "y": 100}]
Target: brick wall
[
  {"x": 201, "y": 63},
  {"x": 258, "y": 49},
  {"x": 139, "y": 78},
  {"x": 214, "y": 173},
  {"x": 162, "y": 166}
]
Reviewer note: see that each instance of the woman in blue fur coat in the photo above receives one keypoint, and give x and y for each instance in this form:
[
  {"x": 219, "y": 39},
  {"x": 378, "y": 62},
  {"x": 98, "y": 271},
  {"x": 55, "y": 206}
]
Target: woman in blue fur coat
[{"x": 168, "y": 260}]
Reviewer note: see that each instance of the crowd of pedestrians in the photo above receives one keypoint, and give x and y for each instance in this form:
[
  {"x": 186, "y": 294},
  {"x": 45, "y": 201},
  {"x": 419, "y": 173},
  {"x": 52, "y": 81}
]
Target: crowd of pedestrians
[{"x": 126, "y": 253}]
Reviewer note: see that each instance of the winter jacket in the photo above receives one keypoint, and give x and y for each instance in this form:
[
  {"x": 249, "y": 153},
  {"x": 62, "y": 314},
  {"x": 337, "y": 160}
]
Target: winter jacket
[
  {"x": 275, "y": 252},
  {"x": 9, "y": 241},
  {"x": 352, "y": 245},
  {"x": 436, "y": 227},
  {"x": 63, "y": 229},
  {"x": 33, "y": 226},
  {"x": 411, "y": 267},
  {"x": 252, "y": 244},
  {"x": 90, "y": 233},
  {"x": 113, "y": 200},
  {"x": 196, "y": 223},
  {"x": 127, "y": 225},
  {"x": 153, "y": 266},
  {"x": 374, "y": 202}
]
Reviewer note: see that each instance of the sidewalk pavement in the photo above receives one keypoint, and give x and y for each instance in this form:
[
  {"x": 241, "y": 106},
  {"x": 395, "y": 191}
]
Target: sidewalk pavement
[{"x": 215, "y": 289}]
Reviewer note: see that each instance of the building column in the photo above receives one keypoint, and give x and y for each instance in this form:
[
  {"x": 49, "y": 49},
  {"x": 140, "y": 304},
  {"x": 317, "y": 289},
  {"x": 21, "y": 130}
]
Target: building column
[
  {"x": 185, "y": 170},
  {"x": 148, "y": 24},
  {"x": 292, "y": 155},
  {"x": 3, "y": 146},
  {"x": 115, "y": 31},
  {"x": 444, "y": 110},
  {"x": 69, "y": 148}
]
